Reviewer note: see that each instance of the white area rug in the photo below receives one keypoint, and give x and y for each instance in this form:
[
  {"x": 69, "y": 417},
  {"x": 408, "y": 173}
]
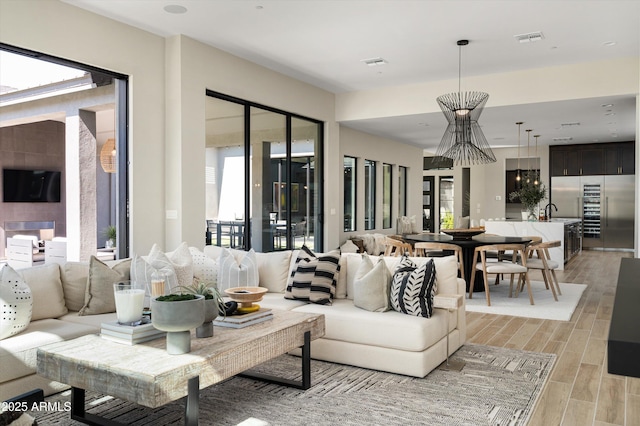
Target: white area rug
[{"x": 545, "y": 307}]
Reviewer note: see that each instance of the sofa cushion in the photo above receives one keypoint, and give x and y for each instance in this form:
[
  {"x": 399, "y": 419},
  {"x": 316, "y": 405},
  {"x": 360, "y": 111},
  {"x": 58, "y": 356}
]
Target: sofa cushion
[
  {"x": 371, "y": 285},
  {"x": 94, "y": 321},
  {"x": 276, "y": 301},
  {"x": 15, "y": 302},
  {"x": 234, "y": 272},
  {"x": 46, "y": 290},
  {"x": 413, "y": 288},
  {"x": 391, "y": 329},
  {"x": 204, "y": 268},
  {"x": 18, "y": 354},
  {"x": 99, "y": 298},
  {"x": 273, "y": 270},
  {"x": 180, "y": 259},
  {"x": 314, "y": 278}
]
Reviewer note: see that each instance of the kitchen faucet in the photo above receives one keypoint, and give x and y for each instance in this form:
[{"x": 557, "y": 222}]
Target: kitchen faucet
[{"x": 548, "y": 206}]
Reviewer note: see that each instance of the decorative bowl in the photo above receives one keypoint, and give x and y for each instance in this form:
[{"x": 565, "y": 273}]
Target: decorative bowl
[
  {"x": 463, "y": 234},
  {"x": 246, "y": 296}
]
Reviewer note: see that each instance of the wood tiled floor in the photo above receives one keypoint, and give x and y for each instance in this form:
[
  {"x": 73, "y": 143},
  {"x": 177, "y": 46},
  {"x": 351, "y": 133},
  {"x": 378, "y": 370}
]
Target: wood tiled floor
[{"x": 580, "y": 391}]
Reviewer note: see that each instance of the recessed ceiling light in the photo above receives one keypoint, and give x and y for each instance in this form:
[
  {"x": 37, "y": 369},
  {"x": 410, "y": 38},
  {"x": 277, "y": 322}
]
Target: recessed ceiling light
[
  {"x": 529, "y": 37},
  {"x": 609, "y": 43},
  {"x": 175, "y": 9},
  {"x": 610, "y": 113},
  {"x": 374, "y": 62},
  {"x": 606, "y": 105},
  {"x": 259, "y": 7}
]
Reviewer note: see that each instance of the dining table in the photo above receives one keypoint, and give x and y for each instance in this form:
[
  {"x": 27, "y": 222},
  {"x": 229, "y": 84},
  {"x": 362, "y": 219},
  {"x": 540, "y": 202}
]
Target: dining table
[{"x": 468, "y": 246}]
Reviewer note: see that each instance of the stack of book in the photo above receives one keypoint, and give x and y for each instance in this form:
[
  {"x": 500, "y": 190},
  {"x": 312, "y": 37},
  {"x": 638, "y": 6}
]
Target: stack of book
[
  {"x": 244, "y": 320},
  {"x": 130, "y": 335}
]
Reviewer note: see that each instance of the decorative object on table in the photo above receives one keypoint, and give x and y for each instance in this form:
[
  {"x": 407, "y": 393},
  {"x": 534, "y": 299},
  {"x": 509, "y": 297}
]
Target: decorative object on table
[
  {"x": 463, "y": 234},
  {"x": 246, "y": 297},
  {"x": 244, "y": 320},
  {"x": 214, "y": 306},
  {"x": 177, "y": 314},
  {"x": 110, "y": 233},
  {"x": 129, "y": 300},
  {"x": 237, "y": 271},
  {"x": 463, "y": 140},
  {"x": 530, "y": 194},
  {"x": 130, "y": 335}
]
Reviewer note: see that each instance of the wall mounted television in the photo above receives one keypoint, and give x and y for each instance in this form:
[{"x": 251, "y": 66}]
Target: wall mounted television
[{"x": 30, "y": 186}]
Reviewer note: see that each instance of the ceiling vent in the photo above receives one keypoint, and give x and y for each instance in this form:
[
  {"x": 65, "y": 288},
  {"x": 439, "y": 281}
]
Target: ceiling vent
[
  {"x": 565, "y": 139},
  {"x": 529, "y": 37},
  {"x": 577, "y": 123},
  {"x": 374, "y": 62}
]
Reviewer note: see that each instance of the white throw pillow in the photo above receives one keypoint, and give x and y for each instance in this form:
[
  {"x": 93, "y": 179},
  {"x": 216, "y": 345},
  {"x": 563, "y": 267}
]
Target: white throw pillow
[
  {"x": 232, "y": 273},
  {"x": 348, "y": 247},
  {"x": 371, "y": 285},
  {"x": 46, "y": 291},
  {"x": 180, "y": 259},
  {"x": 142, "y": 269},
  {"x": 204, "y": 268},
  {"x": 15, "y": 302}
]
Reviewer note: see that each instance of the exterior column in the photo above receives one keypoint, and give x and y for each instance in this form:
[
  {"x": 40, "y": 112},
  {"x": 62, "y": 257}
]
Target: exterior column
[{"x": 81, "y": 185}]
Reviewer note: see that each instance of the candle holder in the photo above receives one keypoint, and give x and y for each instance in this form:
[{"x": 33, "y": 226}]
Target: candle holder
[{"x": 129, "y": 298}]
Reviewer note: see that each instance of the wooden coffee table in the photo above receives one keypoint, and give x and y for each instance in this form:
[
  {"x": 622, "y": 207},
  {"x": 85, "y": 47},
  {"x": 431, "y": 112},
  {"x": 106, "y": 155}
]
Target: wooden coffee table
[{"x": 147, "y": 375}]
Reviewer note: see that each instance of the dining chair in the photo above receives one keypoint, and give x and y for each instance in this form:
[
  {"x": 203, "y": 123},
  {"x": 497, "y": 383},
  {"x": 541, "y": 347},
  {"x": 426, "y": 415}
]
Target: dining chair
[
  {"x": 395, "y": 247},
  {"x": 545, "y": 264},
  {"x": 426, "y": 249},
  {"x": 501, "y": 266}
]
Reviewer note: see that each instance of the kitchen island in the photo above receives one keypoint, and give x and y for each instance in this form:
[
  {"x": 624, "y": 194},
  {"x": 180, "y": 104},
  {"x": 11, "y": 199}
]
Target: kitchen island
[{"x": 567, "y": 230}]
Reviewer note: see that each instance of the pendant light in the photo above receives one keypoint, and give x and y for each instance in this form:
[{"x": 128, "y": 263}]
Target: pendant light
[
  {"x": 528, "y": 156},
  {"x": 463, "y": 140},
  {"x": 519, "y": 170},
  {"x": 108, "y": 156},
  {"x": 536, "y": 182}
]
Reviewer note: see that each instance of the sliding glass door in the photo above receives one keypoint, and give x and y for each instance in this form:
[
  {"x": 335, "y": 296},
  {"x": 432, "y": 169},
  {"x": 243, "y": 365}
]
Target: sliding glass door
[{"x": 271, "y": 198}]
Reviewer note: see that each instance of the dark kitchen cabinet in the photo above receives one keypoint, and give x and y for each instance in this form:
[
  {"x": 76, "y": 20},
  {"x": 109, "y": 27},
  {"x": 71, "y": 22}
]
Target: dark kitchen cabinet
[
  {"x": 564, "y": 162},
  {"x": 620, "y": 159},
  {"x": 615, "y": 158}
]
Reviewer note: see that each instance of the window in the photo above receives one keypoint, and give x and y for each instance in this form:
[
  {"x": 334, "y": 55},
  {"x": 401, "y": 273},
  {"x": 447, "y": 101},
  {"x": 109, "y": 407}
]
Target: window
[
  {"x": 402, "y": 191},
  {"x": 263, "y": 174},
  {"x": 349, "y": 165},
  {"x": 386, "y": 195},
  {"x": 369, "y": 194},
  {"x": 446, "y": 202}
]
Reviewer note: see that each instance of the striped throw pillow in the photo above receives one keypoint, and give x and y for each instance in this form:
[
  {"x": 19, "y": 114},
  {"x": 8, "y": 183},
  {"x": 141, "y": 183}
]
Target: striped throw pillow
[
  {"x": 413, "y": 288},
  {"x": 313, "y": 278}
]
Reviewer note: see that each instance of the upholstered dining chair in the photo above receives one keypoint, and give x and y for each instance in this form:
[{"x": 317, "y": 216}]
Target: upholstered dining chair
[
  {"x": 501, "y": 266},
  {"x": 543, "y": 262},
  {"x": 436, "y": 249},
  {"x": 395, "y": 247}
]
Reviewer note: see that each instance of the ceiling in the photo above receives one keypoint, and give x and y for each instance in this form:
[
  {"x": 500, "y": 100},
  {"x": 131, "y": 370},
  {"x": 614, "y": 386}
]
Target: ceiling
[{"x": 323, "y": 42}]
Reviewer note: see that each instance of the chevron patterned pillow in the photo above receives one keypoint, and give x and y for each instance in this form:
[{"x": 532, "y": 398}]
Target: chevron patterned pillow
[
  {"x": 313, "y": 278},
  {"x": 413, "y": 288}
]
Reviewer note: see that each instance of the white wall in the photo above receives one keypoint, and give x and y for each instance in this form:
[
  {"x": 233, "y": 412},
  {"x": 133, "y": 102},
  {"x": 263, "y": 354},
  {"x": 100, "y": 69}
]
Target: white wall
[
  {"x": 364, "y": 146},
  {"x": 68, "y": 32}
]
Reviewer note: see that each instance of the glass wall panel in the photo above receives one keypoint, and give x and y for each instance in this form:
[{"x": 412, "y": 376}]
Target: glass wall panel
[
  {"x": 263, "y": 176},
  {"x": 305, "y": 184},
  {"x": 446, "y": 202},
  {"x": 402, "y": 191},
  {"x": 349, "y": 165},
  {"x": 386, "y": 196},
  {"x": 269, "y": 177},
  {"x": 225, "y": 172},
  {"x": 369, "y": 194}
]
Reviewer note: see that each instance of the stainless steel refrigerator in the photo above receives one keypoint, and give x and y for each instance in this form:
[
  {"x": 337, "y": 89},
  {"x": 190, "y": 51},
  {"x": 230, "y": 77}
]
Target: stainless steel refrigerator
[{"x": 604, "y": 203}]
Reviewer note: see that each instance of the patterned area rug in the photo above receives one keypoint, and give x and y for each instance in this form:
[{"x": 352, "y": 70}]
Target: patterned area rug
[{"x": 497, "y": 386}]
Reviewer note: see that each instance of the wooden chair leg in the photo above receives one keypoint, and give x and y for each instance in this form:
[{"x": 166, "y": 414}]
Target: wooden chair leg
[
  {"x": 555, "y": 280},
  {"x": 473, "y": 274},
  {"x": 486, "y": 285},
  {"x": 526, "y": 277}
]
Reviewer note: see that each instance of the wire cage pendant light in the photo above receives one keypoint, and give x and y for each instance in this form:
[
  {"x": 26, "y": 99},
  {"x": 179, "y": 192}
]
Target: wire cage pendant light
[
  {"x": 463, "y": 140},
  {"x": 108, "y": 156}
]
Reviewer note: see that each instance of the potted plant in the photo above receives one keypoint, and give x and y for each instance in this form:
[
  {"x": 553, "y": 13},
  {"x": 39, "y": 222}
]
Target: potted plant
[
  {"x": 177, "y": 314},
  {"x": 110, "y": 234},
  {"x": 214, "y": 305},
  {"x": 530, "y": 194}
]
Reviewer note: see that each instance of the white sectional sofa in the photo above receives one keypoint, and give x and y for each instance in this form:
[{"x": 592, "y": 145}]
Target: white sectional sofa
[{"x": 388, "y": 341}]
